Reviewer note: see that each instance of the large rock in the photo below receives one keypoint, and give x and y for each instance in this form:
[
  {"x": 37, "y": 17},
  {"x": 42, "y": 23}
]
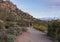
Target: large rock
[{"x": 2, "y": 27}]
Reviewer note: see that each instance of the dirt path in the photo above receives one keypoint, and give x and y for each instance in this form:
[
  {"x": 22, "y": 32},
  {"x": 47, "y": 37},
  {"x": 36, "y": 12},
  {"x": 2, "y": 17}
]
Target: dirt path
[{"x": 33, "y": 35}]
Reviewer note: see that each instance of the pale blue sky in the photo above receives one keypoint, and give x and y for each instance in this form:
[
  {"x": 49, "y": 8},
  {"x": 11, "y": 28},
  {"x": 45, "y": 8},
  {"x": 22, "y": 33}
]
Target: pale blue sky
[{"x": 39, "y": 8}]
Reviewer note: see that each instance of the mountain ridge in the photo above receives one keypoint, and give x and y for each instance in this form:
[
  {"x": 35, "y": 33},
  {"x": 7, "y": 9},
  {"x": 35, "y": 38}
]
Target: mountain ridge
[{"x": 48, "y": 18}]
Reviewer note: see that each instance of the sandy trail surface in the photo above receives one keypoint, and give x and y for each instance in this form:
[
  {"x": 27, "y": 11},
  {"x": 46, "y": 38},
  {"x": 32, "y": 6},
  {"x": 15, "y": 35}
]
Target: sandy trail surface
[{"x": 33, "y": 35}]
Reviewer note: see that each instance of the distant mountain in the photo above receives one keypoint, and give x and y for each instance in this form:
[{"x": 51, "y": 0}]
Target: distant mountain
[{"x": 48, "y": 18}]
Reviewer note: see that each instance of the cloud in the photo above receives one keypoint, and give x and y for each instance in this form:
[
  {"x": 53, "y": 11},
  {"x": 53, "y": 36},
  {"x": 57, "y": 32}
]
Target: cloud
[{"x": 54, "y": 4}]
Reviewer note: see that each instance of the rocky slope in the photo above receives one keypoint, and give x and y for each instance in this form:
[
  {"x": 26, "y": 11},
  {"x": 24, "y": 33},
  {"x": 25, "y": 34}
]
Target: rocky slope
[
  {"x": 10, "y": 12},
  {"x": 12, "y": 21},
  {"x": 10, "y": 8}
]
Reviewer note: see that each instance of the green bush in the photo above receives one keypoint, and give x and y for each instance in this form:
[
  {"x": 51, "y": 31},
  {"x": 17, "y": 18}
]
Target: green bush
[
  {"x": 2, "y": 36},
  {"x": 14, "y": 30},
  {"x": 10, "y": 24},
  {"x": 54, "y": 29},
  {"x": 24, "y": 29},
  {"x": 11, "y": 17},
  {"x": 11, "y": 38}
]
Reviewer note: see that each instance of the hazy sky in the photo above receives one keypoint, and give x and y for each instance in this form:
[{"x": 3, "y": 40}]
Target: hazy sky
[{"x": 39, "y": 8}]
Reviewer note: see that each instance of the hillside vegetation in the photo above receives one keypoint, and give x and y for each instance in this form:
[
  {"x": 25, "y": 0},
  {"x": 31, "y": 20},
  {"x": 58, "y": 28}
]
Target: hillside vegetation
[
  {"x": 54, "y": 29},
  {"x": 12, "y": 21}
]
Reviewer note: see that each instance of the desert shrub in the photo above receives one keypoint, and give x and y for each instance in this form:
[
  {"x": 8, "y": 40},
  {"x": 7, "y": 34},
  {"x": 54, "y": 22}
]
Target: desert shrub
[
  {"x": 2, "y": 36},
  {"x": 11, "y": 38},
  {"x": 7, "y": 16},
  {"x": 40, "y": 27},
  {"x": 11, "y": 17},
  {"x": 24, "y": 29},
  {"x": 14, "y": 30},
  {"x": 54, "y": 29},
  {"x": 23, "y": 23},
  {"x": 10, "y": 24}
]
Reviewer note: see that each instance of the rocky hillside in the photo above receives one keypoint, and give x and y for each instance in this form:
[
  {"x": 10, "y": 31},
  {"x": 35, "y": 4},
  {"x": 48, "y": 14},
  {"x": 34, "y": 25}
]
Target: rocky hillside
[
  {"x": 10, "y": 12},
  {"x": 12, "y": 21}
]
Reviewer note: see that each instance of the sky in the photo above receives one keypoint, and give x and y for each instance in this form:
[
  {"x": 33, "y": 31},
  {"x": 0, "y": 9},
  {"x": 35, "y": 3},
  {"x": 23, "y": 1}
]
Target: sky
[{"x": 39, "y": 8}]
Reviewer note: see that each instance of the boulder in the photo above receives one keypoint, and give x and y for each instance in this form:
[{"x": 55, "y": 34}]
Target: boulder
[{"x": 2, "y": 27}]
